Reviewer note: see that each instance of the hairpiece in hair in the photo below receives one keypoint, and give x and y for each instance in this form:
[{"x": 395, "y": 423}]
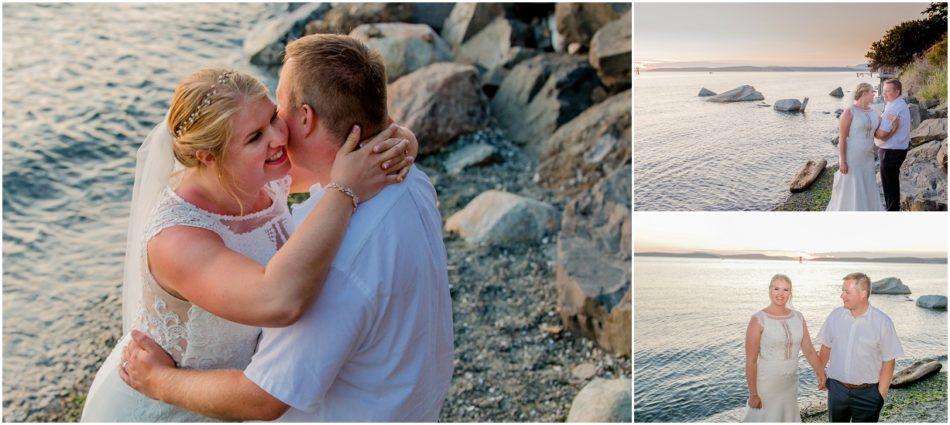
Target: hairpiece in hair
[{"x": 205, "y": 101}]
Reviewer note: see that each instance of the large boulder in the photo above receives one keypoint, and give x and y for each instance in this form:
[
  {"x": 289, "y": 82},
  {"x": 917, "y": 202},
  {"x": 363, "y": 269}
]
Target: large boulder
[
  {"x": 467, "y": 19},
  {"x": 593, "y": 264},
  {"x": 541, "y": 94},
  {"x": 935, "y": 302},
  {"x": 915, "y": 372},
  {"x": 787, "y": 105},
  {"x": 923, "y": 178},
  {"x": 602, "y": 400},
  {"x": 889, "y": 286},
  {"x": 939, "y": 112},
  {"x": 704, "y": 92},
  {"x": 578, "y": 22},
  {"x": 404, "y": 47},
  {"x": 495, "y": 218},
  {"x": 265, "y": 43},
  {"x": 438, "y": 103},
  {"x": 610, "y": 54},
  {"x": 807, "y": 175},
  {"x": 837, "y": 92},
  {"x": 345, "y": 17},
  {"x": 738, "y": 94},
  {"x": 489, "y": 49},
  {"x": 932, "y": 129},
  {"x": 492, "y": 79},
  {"x": 587, "y": 148}
]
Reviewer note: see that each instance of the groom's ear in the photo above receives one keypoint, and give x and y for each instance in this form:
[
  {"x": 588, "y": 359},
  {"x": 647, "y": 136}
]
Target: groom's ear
[{"x": 309, "y": 119}]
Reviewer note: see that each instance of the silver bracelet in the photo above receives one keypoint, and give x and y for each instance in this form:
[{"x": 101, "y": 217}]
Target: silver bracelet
[{"x": 346, "y": 191}]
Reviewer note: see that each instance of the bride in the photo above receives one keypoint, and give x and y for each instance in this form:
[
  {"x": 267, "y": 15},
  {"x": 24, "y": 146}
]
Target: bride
[
  {"x": 855, "y": 184},
  {"x": 774, "y": 337},
  {"x": 218, "y": 187}
]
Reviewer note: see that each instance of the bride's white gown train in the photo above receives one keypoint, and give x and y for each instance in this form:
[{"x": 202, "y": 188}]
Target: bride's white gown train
[
  {"x": 858, "y": 190},
  {"x": 777, "y": 377},
  {"x": 193, "y": 337}
]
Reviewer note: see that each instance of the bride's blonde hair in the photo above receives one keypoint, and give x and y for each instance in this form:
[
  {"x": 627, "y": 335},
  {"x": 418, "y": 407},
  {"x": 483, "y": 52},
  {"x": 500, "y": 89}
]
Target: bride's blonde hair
[
  {"x": 779, "y": 276},
  {"x": 202, "y": 112},
  {"x": 861, "y": 89}
]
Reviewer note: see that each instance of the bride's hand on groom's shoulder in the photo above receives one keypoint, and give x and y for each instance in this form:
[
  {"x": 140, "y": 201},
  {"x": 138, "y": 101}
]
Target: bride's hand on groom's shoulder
[{"x": 142, "y": 360}]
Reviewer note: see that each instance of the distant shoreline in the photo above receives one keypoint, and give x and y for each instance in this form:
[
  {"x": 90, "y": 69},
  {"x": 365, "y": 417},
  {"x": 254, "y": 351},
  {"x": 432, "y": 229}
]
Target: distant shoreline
[
  {"x": 711, "y": 256},
  {"x": 760, "y": 69}
]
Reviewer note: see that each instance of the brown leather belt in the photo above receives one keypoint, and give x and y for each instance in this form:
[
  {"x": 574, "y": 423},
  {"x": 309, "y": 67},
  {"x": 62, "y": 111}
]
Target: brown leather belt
[{"x": 857, "y": 387}]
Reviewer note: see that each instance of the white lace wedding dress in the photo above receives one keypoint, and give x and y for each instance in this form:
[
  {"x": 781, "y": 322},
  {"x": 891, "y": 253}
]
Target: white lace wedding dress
[
  {"x": 858, "y": 190},
  {"x": 192, "y": 336},
  {"x": 777, "y": 377}
]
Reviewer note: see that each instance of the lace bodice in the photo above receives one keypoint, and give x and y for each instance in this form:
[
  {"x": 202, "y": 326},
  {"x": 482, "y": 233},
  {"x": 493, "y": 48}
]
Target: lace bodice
[
  {"x": 781, "y": 336},
  {"x": 194, "y": 337},
  {"x": 861, "y": 138}
]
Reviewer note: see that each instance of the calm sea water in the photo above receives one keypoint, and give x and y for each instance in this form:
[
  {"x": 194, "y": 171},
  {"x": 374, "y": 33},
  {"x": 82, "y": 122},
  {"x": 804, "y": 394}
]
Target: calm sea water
[
  {"x": 82, "y": 86},
  {"x": 691, "y": 154},
  {"x": 690, "y": 317}
]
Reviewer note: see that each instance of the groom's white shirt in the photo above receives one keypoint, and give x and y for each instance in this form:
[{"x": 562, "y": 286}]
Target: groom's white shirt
[
  {"x": 377, "y": 344},
  {"x": 859, "y": 344},
  {"x": 900, "y": 139}
]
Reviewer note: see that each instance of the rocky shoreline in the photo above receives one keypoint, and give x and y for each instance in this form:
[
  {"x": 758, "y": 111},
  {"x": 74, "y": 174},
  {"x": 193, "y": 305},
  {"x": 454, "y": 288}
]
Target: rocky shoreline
[
  {"x": 922, "y": 401},
  {"x": 531, "y": 102}
]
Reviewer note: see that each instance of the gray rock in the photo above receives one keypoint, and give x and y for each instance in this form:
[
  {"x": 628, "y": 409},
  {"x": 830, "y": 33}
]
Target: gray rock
[
  {"x": 936, "y": 302},
  {"x": 541, "y": 94},
  {"x": 916, "y": 371},
  {"x": 404, "y": 47},
  {"x": 923, "y": 178},
  {"x": 589, "y": 147},
  {"x": 787, "y": 105},
  {"x": 837, "y": 92},
  {"x": 838, "y": 112},
  {"x": 489, "y": 49},
  {"x": 578, "y": 22},
  {"x": 468, "y": 156},
  {"x": 438, "y": 103},
  {"x": 431, "y": 14},
  {"x": 592, "y": 271},
  {"x": 345, "y": 17},
  {"x": 492, "y": 79},
  {"x": 467, "y": 19},
  {"x": 932, "y": 129},
  {"x": 807, "y": 175},
  {"x": 914, "y": 115},
  {"x": 703, "y": 92},
  {"x": 264, "y": 44},
  {"x": 603, "y": 400},
  {"x": 889, "y": 286},
  {"x": 584, "y": 371},
  {"x": 938, "y": 112},
  {"x": 495, "y": 218},
  {"x": 738, "y": 94},
  {"x": 611, "y": 54}
]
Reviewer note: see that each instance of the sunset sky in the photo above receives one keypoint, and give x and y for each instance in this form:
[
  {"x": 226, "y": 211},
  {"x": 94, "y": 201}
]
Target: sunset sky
[
  {"x": 795, "y": 234},
  {"x": 791, "y": 34}
]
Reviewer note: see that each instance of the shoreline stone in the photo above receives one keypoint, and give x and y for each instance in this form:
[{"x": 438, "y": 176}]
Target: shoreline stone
[
  {"x": 889, "y": 286},
  {"x": 744, "y": 93}
]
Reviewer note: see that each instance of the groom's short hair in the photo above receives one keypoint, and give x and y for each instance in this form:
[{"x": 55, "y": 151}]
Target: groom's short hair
[
  {"x": 342, "y": 80},
  {"x": 861, "y": 279},
  {"x": 896, "y": 83}
]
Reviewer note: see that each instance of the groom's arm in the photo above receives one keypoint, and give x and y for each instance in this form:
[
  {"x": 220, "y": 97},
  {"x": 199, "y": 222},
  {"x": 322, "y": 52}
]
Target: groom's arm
[
  {"x": 221, "y": 394},
  {"x": 884, "y": 380}
]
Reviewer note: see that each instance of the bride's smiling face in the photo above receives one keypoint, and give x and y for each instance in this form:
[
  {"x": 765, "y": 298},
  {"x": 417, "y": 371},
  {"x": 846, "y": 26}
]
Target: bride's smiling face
[
  {"x": 257, "y": 151},
  {"x": 780, "y": 292}
]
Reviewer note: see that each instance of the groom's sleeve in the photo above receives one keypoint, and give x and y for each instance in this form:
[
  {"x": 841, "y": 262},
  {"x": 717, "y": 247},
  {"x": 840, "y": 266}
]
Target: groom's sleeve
[
  {"x": 297, "y": 364},
  {"x": 886, "y": 123},
  {"x": 824, "y": 335},
  {"x": 890, "y": 344}
]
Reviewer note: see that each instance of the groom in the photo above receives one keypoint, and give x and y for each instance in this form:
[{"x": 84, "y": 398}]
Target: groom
[
  {"x": 892, "y": 145},
  {"x": 377, "y": 344},
  {"x": 862, "y": 345}
]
